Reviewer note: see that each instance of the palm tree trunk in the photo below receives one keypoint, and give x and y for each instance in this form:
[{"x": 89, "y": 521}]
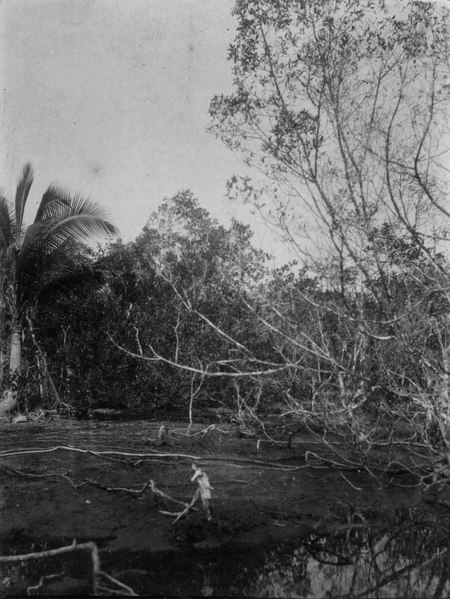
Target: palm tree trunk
[
  {"x": 15, "y": 362},
  {"x": 8, "y": 402}
]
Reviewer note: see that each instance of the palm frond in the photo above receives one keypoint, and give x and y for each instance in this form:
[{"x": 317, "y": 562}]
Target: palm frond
[
  {"x": 67, "y": 281},
  {"x": 22, "y": 191},
  {"x": 47, "y": 253},
  {"x": 29, "y": 252},
  {"x": 38, "y": 270},
  {"x": 6, "y": 221},
  {"x": 72, "y": 216},
  {"x": 57, "y": 204},
  {"x": 30, "y": 235},
  {"x": 80, "y": 227},
  {"x": 62, "y": 218},
  {"x": 53, "y": 196},
  {"x": 45, "y": 261}
]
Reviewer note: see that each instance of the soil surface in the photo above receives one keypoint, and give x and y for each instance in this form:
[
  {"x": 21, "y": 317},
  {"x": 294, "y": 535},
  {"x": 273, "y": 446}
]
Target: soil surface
[{"x": 70, "y": 480}]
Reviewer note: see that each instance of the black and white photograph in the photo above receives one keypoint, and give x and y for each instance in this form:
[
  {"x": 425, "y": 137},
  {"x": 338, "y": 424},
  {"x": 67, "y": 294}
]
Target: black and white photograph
[{"x": 225, "y": 298}]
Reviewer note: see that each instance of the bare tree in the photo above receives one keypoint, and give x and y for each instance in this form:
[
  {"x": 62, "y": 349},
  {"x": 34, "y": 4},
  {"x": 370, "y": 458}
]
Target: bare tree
[{"x": 343, "y": 109}]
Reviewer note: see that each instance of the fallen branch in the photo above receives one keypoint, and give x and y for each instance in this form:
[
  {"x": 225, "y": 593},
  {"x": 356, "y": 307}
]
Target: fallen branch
[
  {"x": 205, "y": 460},
  {"x": 135, "y": 492},
  {"x": 150, "y": 484},
  {"x": 188, "y": 508},
  {"x": 10, "y": 453},
  {"x": 331, "y": 462},
  {"x": 350, "y": 483},
  {"x": 97, "y": 573},
  {"x": 165, "y": 496},
  {"x": 247, "y": 462},
  {"x": 16, "y": 471},
  {"x": 124, "y": 588},
  {"x": 89, "y": 545},
  {"x": 203, "y": 432},
  {"x": 94, "y": 483},
  {"x": 31, "y": 590}
]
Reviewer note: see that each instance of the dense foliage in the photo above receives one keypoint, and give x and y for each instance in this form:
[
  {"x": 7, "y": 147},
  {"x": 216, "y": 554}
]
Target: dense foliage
[
  {"x": 342, "y": 108},
  {"x": 39, "y": 262},
  {"x": 174, "y": 314}
]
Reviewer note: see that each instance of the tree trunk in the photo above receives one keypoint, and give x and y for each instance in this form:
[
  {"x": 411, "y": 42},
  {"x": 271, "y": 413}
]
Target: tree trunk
[
  {"x": 444, "y": 391},
  {"x": 8, "y": 402},
  {"x": 16, "y": 350}
]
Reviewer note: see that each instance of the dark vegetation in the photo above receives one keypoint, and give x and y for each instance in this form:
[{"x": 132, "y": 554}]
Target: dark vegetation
[
  {"x": 140, "y": 307},
  {"x": 337, "y": 362},
  {"x": 353, "y": 336}
]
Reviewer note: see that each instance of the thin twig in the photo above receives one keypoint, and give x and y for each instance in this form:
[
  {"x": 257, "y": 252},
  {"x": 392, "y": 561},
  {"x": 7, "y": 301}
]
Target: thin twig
[
  {"x": 121, "y": 585},
  {"x": 187, "y": 509},
  {"x": 350, "y": 483}
]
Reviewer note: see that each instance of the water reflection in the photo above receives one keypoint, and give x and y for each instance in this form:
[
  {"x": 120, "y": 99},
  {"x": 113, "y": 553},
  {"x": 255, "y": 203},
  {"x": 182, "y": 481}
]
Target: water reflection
[
  {"x": 405, "y": 555},
  {"x": 406, "y": 558},
  {"x": 370, "y": 555}
]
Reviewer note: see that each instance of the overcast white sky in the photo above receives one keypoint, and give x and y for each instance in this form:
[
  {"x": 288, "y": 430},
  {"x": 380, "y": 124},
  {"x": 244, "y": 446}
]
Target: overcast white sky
[{"x": 110, "y": 98}]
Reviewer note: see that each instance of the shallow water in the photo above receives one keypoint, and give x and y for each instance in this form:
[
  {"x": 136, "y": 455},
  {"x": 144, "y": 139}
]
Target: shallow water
[
  {"x": 324, "y": 539},
  {"x": 409, "y": 559},
  {"x": 407, "y": 556}
]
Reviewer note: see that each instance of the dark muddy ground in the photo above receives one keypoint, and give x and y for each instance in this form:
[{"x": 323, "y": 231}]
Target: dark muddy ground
[{"x": 280, "y": 526}]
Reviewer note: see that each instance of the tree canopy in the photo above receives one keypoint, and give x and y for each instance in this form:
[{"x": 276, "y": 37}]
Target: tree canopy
[
  {"x": 42, "y": 258},
  {"x": 343, "y": 109}
]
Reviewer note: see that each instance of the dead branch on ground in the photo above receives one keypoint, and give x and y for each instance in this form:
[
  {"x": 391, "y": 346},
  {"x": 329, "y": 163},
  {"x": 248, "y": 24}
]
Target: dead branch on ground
[
  {"x": 97, "y": 573},
  {"x": 32, "y": 451},
  {"x": 150, "y": 484},
  {"x": 230, "y": 461}
]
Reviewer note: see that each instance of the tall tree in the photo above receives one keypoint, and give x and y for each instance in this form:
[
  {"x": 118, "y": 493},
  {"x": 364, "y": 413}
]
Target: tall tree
[
  {"x": 37, "y": 259},
  {"x": 343, "y": 107}
]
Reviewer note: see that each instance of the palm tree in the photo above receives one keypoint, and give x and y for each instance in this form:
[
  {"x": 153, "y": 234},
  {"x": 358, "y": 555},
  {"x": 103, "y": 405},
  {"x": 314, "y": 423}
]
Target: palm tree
[{"x": 38, "y": 258}]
